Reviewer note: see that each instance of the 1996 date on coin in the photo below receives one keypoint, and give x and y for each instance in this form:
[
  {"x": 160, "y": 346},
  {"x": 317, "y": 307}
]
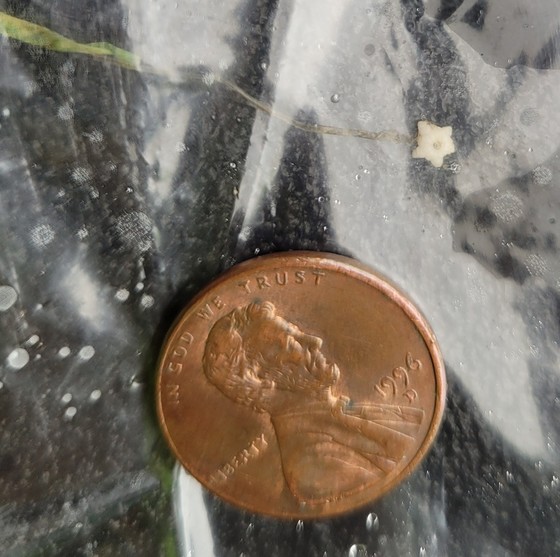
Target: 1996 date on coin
[{"x": 300, "y": 385}]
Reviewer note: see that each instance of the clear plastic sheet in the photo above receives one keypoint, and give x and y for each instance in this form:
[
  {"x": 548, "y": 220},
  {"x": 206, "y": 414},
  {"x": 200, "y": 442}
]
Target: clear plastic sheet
[{"x": 223, "y": 130}]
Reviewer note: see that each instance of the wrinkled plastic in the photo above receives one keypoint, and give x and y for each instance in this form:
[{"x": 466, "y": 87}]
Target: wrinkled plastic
[{"x": 249, "y": 127}]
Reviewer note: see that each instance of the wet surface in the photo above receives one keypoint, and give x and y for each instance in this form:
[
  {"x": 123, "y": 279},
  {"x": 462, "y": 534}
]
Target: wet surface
[{"x": 123, "y": 192}]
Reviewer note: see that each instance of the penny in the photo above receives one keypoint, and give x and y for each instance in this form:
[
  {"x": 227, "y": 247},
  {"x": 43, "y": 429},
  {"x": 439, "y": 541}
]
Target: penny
[{"x": 300, "y": 385}]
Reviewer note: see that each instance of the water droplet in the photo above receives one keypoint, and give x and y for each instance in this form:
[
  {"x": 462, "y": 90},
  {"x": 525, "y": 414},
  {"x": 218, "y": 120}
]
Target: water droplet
[
  {"x": 250, "y": 529},
  {"x": 122, "y": 295},
  {"x": 320, "y": 199},
  {"x": 507, "y": 206},
  {"x": 32, "y": 340},
  {"x": 70, "y": 412},
  {"x": 96, "y": 136},
  {"x": 65, "y": 112},
  {"x": 8, "y": 297},
  {"x": 536, "y": 265},
  {"x": 42, "y": 235},
  {"x": 86, "y": 353},
  {"x": 422, "y": 552},
  {"x": 146, "y": 301},
  {"x": 372, "y": 521},
  {"x": 135, "y": 229},
  {"x": 299, "y": 526},
  {"x": 64, "y": 352},
  {"x": 135, "y": 384},
  {"x": 542, "y": 175},
  {"x": 81, "y": 175},
  {"x": 232, "y": 165},
  {"x": 208, "y": 78},
  {"x": 139, "y": 287},
  {"x": 18, "y": 358},
  {"x": 335, "y": 98},
  {"x": 82, "y": 233},
  {"x": 66, "y": 398},
  {"x": 6, "y": 112},
  {"x": 95, "y": 395},
  {"x": 509, "y": 477},
  {"x": 357, "y": 550}
]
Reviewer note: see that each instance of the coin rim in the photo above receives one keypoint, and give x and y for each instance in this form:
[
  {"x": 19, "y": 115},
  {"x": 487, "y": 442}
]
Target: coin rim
[{"x": 359, "y": 271}]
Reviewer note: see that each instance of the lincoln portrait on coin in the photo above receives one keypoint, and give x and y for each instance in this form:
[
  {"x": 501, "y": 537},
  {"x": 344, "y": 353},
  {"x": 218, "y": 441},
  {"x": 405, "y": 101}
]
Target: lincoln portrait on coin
[{"x": 329, "y": 445}]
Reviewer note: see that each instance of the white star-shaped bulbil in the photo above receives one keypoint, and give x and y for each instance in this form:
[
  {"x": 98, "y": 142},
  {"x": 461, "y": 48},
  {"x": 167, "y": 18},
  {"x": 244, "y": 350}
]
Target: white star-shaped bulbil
[{"x": 434, "y": 143}]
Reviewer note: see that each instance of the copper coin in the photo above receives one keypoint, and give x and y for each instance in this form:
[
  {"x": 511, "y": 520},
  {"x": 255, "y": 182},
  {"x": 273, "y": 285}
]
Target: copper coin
[{"x": 300, "y": 385}]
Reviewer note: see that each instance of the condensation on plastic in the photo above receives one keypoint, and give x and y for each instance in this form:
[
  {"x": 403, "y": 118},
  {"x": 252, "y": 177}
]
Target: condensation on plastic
[{"x": 123, "y": 192}]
